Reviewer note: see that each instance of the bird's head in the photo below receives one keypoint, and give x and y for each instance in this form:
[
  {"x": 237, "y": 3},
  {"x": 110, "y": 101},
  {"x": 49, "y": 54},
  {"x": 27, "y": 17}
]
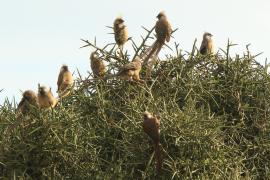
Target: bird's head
[
  {"x": 147, "y": 115},
  {"x": 118, "y": 21},
  {"x": 43, "y": 90},
  {"x": 161, "y": 15},
  {"x": 207, "y": 35},
  {"x": 64, "y": 68},
  {"x": 94, "y": 55},
  {"x": 29, "y": 95},
  {"x": 137, "y": 59}
]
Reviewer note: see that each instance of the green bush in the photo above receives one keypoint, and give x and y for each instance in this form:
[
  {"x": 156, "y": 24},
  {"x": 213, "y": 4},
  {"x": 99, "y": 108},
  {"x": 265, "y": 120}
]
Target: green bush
[{"x": 214, "y": 125}]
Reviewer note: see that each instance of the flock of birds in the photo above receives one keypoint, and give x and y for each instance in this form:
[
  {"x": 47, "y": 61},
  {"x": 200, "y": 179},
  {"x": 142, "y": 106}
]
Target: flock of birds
[{"x": 44, "y": 99}]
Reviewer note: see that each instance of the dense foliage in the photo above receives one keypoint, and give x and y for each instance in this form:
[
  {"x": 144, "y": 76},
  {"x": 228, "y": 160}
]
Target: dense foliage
[{"x": 214, "y": 124}]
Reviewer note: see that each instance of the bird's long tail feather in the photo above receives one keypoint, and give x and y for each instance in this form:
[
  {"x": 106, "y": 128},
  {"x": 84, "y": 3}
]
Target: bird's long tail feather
[
  {"x": 150, "y": 52},
  {"x": 158, "y": 157},
  {"x": 121, "y": 51}
]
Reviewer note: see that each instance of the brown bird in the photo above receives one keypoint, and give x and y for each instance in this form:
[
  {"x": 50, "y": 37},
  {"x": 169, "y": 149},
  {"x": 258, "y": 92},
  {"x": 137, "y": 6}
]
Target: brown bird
[
  {"x": 45, "y": 98},
  {"x": 151, "y": 126},
  {"x": 97, "y": 65},
  {"x": 64, "y": 82},
  {"x": 120, "y": 32},
  {"x": 163, "y": 31},
  {"x": 28, "y": 101},
  {"x": 131, "y": 71},
  {"x": 207, "y": 45}
]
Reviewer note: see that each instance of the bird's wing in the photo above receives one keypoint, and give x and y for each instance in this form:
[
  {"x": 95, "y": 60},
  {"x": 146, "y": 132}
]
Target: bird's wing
[
  {"x": 203, "y": 47},
  {"x": 21, "y": 103},
  {"x": 162, "y": 28},
  {"x": 169, "y": 32},
  {"x": 59, "y": 81}
]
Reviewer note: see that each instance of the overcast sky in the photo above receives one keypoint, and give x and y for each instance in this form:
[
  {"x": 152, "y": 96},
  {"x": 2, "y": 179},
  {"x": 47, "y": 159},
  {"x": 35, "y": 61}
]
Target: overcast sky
[{"x": 38, "y": 36}]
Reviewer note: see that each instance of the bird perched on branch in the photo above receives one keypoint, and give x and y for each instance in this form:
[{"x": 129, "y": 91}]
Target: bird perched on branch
[
  {"x": 131, "y": 71},
  {"x": 64, "y": 82},
  {"x": 163, "y": 31},
  {"x": 45, "y": 98},
  {"x": 207, "y": 45},
  {"x": 28, "y": 101},
  {"x": 97, "y": 65},
  {"x": 151, "y": 126},
  {"x": 120, "y": 32}
]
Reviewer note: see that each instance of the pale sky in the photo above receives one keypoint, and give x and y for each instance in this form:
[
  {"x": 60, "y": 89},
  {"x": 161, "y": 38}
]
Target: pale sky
[{"x": 38, "y": 36}]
